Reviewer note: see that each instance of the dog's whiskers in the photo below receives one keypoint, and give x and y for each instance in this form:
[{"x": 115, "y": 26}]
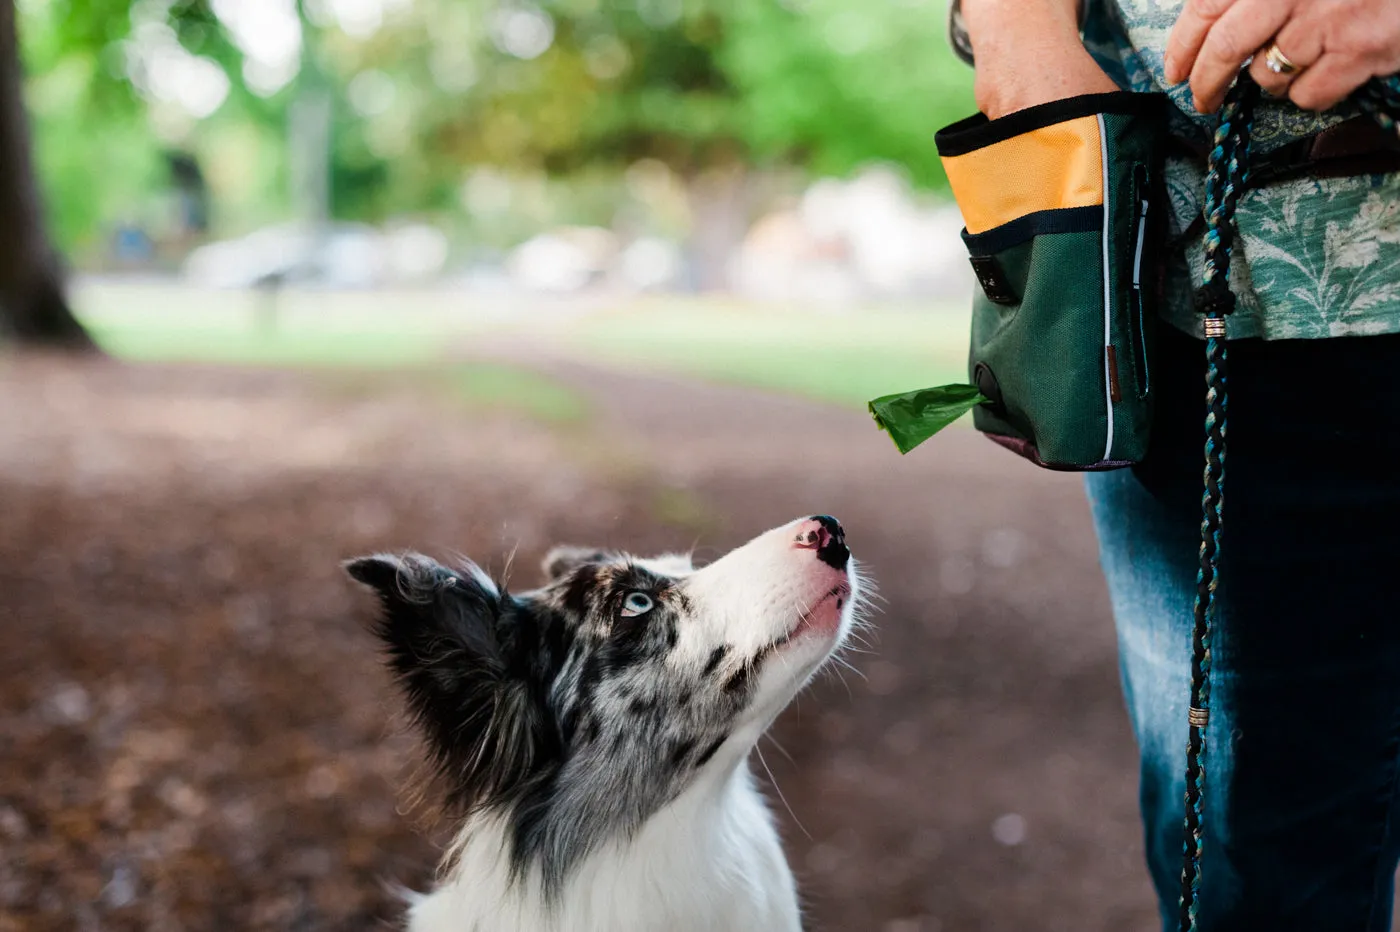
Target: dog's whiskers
[{"x": 773, "y": 781}]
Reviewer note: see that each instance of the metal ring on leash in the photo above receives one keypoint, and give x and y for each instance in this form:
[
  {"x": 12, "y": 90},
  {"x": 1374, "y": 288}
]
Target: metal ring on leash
[{"x": 1226, "y": 177}]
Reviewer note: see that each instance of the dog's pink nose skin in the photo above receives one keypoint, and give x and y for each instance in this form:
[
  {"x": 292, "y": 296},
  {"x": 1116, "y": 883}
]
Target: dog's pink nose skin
[
  {"x": 812, "y": 535},
  {"x": 825, "y": 535}
]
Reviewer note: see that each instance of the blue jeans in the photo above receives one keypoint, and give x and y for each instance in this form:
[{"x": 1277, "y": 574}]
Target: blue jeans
[{"x": 1303, "y": 766}]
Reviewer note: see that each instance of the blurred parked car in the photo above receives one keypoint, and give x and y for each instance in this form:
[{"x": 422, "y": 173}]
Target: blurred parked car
[{"x": 337, "y": 256}]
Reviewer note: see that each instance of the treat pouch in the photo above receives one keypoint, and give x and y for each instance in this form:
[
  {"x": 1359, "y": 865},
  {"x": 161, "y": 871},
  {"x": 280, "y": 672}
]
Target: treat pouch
[{"x": 1062, "y": 205}]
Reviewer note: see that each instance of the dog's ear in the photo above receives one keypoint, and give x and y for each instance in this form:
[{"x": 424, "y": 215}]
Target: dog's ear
[
  {"x": 562, "y": 561},
  {"x": 450, "y": 637}
]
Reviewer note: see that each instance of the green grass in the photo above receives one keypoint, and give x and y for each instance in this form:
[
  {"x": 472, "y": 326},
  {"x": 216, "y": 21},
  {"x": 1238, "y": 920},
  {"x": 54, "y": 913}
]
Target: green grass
[
  {"x": 251, "y": 347},
  {"x": 170, "y": 323},
  {"x": 355, "y": 341},
  {"x": 847, "y": 359}
]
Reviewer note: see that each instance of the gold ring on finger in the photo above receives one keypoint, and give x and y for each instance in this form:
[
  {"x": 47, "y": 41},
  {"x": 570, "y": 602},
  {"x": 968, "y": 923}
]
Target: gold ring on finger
[{"x": 1279, "y": 63}]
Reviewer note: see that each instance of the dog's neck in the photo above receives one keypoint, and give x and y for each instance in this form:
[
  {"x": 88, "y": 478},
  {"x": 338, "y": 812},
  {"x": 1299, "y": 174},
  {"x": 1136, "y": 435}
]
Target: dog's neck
[{"x": 708, "y": 861}]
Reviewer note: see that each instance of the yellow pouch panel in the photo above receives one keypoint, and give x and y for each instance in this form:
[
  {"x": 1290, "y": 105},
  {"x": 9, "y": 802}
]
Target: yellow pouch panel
[{"x": 1045, "y": 169}]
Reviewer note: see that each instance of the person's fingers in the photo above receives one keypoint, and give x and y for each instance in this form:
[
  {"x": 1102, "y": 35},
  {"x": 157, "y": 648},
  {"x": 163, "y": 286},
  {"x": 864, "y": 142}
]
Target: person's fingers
[
  {"x": 1184, "y": 42},
  {"x": 1301, "y": 42},
  {"x": 1236, "y": 35},
  {"x": 1330, "y": 81}
]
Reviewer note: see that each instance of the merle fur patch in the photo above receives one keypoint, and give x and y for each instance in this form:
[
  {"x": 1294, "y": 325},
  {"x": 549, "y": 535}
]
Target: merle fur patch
[{"x": 553, "y": 707}]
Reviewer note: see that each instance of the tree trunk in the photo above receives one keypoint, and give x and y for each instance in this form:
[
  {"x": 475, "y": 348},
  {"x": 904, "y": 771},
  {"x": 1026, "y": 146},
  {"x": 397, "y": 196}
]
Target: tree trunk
[{"x": 33, "y": 309}]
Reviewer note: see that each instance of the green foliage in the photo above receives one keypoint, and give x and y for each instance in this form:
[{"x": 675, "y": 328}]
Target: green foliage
[
  {"x": 444, "y": 85},
  {"x": 834, "y": 84}
]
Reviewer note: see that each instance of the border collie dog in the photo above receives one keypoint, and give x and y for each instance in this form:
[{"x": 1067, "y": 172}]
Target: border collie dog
[{"x": 593, "y": 735}]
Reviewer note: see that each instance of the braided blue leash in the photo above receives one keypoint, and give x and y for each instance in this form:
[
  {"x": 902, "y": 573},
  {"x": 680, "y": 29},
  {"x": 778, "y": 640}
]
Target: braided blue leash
[
  {"x": 1226, "y": 178},
  {"x": 1381, "y": 99}
]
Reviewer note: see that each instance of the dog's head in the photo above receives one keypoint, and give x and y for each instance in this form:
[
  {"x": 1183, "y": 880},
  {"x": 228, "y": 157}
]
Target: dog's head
[{"x": 580, "y": 708}]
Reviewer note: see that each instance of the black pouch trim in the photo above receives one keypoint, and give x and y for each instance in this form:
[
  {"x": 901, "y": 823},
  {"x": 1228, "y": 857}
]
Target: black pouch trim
[
  {"x": 977, "y": 132},
  {"x": 1063, "y": 220}
]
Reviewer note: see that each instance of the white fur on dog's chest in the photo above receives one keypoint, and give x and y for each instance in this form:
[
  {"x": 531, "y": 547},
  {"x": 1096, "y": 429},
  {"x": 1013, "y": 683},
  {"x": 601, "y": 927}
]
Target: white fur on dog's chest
[{"x": 708, "y": 862}]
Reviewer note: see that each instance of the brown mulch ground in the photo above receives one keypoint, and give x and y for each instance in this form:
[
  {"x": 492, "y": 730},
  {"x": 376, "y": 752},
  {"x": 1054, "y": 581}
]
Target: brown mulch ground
[{"x": 195, "y": 733}]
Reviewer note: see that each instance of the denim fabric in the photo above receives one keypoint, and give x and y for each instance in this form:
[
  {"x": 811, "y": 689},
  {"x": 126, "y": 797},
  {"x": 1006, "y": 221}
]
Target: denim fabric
[{"x": 1303, "y": 765}]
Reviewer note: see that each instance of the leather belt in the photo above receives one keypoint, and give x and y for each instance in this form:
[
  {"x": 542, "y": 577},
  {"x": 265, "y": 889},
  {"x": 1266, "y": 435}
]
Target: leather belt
[{"x": 1354, "y": 147}]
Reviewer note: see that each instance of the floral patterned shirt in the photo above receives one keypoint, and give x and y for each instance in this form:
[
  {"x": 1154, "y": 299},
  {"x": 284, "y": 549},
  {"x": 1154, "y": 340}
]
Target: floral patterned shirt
[{"x": 1315, "y": 257}]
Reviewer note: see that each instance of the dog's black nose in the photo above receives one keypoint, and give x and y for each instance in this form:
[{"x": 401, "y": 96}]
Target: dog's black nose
[{"x": 833, "y": 551}]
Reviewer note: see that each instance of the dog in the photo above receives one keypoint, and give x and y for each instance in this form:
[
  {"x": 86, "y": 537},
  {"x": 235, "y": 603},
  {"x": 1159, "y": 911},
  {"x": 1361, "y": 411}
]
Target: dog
[{"x": 593, "y": 735}]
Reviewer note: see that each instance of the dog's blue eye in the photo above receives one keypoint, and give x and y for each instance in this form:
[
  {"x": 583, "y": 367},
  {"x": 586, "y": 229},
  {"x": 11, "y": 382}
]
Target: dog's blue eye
[{"x": 636, "y": 603}]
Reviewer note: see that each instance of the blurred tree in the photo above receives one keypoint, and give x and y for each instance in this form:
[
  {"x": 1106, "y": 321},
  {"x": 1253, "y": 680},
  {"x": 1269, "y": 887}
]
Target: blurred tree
[
  {"x": 33, "y": 309},
  {"x": 714, "y": 89},
  {"x": 420, "y": 93}
]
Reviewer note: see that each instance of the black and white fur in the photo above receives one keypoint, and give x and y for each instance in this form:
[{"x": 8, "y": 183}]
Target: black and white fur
[{"x": 594, "y": 733}]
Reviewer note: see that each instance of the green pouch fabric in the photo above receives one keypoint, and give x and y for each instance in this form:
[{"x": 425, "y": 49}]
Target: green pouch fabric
[{"x": 1063, "y": 204}]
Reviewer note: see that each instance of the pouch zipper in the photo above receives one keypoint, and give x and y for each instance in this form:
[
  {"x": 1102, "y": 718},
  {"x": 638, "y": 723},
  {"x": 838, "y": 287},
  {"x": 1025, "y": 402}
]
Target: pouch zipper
[{"x": 1137, "y": 316}]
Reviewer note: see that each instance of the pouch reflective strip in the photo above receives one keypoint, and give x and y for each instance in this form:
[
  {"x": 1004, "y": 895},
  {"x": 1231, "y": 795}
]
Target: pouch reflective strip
[{"x": 1049, "y": 168}]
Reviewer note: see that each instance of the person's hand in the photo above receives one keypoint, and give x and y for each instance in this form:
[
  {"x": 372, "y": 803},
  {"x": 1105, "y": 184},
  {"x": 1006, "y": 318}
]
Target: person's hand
[
  {"x": 1336, "y": 45},
  {"x": 1004, "y": 86},
  {"x": 1028, "y": 53}
]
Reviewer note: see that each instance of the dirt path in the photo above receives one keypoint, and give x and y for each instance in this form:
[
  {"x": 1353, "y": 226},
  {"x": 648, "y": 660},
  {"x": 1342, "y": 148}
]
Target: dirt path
[{"x": 195, "y": 728}]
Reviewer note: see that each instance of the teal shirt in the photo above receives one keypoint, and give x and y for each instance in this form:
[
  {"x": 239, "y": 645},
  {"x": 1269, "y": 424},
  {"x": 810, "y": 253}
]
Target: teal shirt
[{"x": 1315, "y": 257}]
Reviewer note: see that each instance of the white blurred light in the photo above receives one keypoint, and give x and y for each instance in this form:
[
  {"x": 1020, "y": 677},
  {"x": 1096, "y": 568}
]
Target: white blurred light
[
  {"x": 317, "y": 13},
  {"x": 486, "y": 193},
  {"x": 162, "y": 69},
  {"x": 452, "y": 67},
  {"x": 651, "y": 262},
  {"x": 268, "y": 33},
  {"x": 1009, "y": 829},
  {"x": 202, "y": 86},
  {"x": 564, "y": 260},
  {"x": 266, "y": 78},
  {"x": 371, "y": 92},
  {"x": 417, "y": 251},
  {"x": 525, "y": 31},
  {"x": 550, "y": 264},
  {"x": 358, "y": 19}
]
